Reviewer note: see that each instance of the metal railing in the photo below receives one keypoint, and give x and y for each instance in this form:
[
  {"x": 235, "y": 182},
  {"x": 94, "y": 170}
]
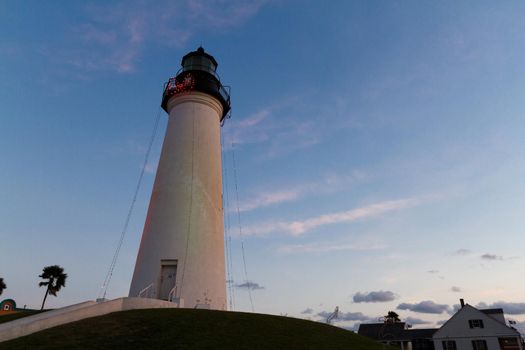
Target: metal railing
[
  {"x": 172, "y": 294},
  {"x": 224, "y": 90},
  {"x": 147, "y": 292},
  {"x": 199, "y": 82}
]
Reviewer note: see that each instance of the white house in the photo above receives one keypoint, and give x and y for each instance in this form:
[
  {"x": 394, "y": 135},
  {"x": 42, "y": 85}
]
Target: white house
[{"x": 473, "y": 329}]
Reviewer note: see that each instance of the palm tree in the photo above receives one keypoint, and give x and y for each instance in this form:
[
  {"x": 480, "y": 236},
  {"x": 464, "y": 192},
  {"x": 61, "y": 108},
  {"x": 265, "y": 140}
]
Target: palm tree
[
  {"x": 55, "y": 279},
  {"x": 2, "y": 285}
]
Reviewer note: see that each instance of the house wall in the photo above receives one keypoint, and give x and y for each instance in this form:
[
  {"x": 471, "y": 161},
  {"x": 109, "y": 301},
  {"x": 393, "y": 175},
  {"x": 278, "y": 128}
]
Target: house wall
[
  {"x": 458, "y": 329},
  {"x": 466, "y": 343}
]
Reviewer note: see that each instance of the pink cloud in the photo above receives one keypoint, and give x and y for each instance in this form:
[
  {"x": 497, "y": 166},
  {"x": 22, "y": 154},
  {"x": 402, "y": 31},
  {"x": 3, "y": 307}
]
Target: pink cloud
[
  {"x": 327, "y": 184},
  {"x": 327, "y": 247},
  {"x": 300, "y": 227}
]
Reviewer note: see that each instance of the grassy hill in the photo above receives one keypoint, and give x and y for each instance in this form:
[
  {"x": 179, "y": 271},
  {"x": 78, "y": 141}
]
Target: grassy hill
[{"x": 192, "y": 329}]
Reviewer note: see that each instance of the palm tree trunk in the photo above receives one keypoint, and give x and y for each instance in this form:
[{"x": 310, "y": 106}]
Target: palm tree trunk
[{"x": 45, "y": 297}]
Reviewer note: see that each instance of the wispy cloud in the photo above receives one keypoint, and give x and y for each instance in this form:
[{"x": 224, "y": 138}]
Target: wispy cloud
[
  {"x": 327, "y": 247},
  {"x": 114, "y": 37},
  {"x": 253, "y": 119},
  {"x": 111, "y": 38},
  {"x": 289, "y": 124},
  {"x": 462, "y": 251},
  {"x": 248, "y": 130},
  {"x": 328, "y": 184},
  {"x": 300, "y": 227},
  {"x": 267, "y": 199},
  {"x": 260, "y": 127},
  {"x": 220, "y": 14},
  {"x": 455, "y": 289},
  {"x": 435, "y": 273}
]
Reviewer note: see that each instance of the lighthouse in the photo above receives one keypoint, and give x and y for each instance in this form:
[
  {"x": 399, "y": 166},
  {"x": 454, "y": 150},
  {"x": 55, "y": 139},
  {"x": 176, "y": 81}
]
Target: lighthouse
[{"x": 181, "y": 254}]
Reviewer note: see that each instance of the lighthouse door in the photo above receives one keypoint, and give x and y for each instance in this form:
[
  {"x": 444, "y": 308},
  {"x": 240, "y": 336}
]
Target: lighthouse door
[{"x": 168, "y": 277}]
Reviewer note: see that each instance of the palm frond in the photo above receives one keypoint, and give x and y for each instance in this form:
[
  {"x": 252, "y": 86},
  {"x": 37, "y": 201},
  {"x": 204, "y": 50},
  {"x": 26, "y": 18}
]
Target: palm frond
[{"x": 56, "y": 279}]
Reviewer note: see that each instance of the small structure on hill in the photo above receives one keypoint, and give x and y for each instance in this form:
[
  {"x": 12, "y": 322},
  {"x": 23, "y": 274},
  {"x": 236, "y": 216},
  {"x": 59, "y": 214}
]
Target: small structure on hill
[{"x": 7, "y": 306}]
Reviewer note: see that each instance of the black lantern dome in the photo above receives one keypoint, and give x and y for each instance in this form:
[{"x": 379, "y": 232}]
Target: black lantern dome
[{"x": 198, "y": 73}]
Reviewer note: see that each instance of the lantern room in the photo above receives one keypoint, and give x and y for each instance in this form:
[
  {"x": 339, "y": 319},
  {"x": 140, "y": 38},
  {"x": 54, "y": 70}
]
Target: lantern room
[{"x": 198, "y": 73}]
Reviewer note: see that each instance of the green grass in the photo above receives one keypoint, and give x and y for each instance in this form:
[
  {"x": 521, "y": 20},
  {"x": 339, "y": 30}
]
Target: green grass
[{"x": 192, "y": 329}]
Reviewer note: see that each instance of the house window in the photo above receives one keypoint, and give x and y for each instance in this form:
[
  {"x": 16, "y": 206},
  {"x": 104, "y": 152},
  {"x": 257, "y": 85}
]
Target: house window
[
  {"x": 508, "y": 342},
  {"x": 475, "y": 323},
  {"x": 479, "y": 345},
  {"x": 449, "y": 345}
]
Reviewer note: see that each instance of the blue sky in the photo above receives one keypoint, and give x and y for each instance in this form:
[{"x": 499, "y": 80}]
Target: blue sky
[{"x": 379, "y": 147}]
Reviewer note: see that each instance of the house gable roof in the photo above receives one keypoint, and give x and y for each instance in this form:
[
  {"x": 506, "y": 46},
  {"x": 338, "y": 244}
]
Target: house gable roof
[
  {"x": 496, "y": 314},
  {"x": 492, "y": 311},
  {"x": 458, "y": 324}
]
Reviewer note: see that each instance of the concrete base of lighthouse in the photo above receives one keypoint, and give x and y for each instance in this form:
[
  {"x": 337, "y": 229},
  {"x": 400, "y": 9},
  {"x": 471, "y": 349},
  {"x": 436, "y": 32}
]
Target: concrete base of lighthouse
[{"x": 181, "y": 255}]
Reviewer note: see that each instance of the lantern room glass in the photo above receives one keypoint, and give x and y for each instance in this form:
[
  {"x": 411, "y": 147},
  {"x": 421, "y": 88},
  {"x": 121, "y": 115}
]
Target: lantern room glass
[{"x": 199, "y": 63}]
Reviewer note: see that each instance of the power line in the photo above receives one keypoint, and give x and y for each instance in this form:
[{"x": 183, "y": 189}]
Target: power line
[
  {"x": 107, "y": 280},
  {"x": 227, "y": 229},
  {"x": 227, "y": 242},
  {"x": 249, "y": 284}
]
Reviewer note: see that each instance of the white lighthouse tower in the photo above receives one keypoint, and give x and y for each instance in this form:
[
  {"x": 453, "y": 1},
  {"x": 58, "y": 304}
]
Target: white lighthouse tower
[{"x": 181, "y": 254}]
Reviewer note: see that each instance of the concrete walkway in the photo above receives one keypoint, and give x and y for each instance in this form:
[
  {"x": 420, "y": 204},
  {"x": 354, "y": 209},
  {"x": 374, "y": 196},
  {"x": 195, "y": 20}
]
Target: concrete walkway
[{"x": 53, "y": 318}]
